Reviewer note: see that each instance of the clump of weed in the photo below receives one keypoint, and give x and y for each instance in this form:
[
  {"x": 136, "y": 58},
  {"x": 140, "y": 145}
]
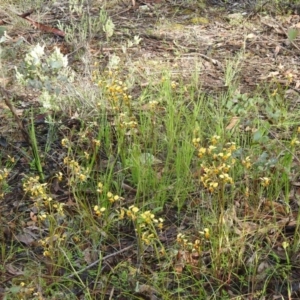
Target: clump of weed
[
  {"x": 145, "y": 225},
  {"x": 217, "y": 161},
  {"x": 3, "y": 184}
]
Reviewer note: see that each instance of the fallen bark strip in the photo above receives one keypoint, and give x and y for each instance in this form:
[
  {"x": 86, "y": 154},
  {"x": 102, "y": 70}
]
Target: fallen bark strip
[{"x": 41, "y": 26}]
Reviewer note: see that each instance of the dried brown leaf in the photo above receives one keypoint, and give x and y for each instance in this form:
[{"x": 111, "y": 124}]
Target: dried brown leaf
[
  {"x": 25, "y": 238},
  {"x": 13, "y": 270},
  {"x": 233, "y": 122},
  {"x": 87, "y": 255}
]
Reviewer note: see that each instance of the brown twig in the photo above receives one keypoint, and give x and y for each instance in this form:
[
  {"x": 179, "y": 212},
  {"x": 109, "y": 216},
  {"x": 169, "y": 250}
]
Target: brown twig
[
  {"x": 282, "y": 31},
  {"x": 287, "y": 35},
  {"x": 100, "y": 259},
  {"x": 7, "y": 95}
]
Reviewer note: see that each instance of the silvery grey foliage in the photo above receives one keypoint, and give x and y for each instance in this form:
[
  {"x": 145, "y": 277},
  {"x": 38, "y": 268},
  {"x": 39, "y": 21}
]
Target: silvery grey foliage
[{"x": 47, "y": 73}]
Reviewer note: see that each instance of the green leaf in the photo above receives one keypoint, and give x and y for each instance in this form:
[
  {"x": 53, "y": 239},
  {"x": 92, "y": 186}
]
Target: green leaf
[
  {"x": 2, "y": 30},
  {"x": 15, "y": 289},
  {"x": 260, "y": 137},
  {"x": 292, "y": 34}
]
